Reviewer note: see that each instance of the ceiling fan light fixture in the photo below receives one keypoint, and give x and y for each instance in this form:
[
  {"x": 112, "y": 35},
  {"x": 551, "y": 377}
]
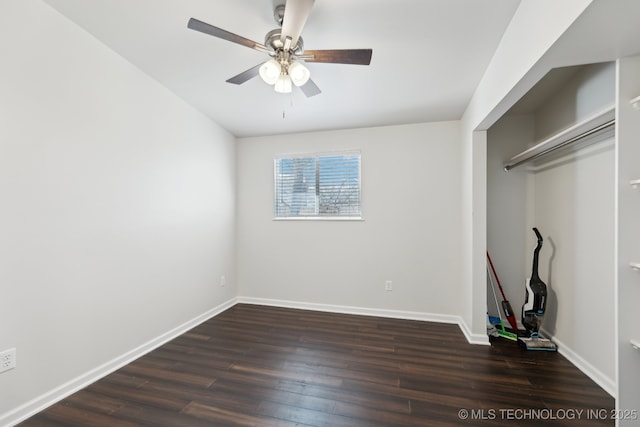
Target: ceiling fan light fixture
[
  {"x": 299, "y": 73},
  {"x": 270, "y": 71},
  {"x": 283, "y": 84}
]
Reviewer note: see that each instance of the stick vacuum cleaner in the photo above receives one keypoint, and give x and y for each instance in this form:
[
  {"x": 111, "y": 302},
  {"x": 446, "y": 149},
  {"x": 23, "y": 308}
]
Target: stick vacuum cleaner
[{"x": 534, "y": 306}]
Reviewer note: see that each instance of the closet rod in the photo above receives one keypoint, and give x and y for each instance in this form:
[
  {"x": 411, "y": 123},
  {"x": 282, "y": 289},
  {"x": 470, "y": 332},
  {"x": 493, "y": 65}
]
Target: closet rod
[{"x": 555, "y": 147}]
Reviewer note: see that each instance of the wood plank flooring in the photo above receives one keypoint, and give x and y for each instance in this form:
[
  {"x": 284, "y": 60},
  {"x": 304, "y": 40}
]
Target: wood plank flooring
[{"x": 268, "y": 366}]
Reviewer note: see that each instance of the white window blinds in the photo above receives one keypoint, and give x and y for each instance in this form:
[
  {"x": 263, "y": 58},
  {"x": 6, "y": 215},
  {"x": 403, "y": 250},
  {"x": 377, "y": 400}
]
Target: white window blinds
[{"x": 318, "y": 185}]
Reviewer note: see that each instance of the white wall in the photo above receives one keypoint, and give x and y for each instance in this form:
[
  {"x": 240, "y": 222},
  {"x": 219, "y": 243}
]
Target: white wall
[
  {"x": 473, "y": 231},
  {"x": 508, "y": 231},
  {"x": 591, "y": 90},
  {"x": 117, "y": 215},
  {"x": 574, "y": 211},
  {"x": 411, "y": 211}
]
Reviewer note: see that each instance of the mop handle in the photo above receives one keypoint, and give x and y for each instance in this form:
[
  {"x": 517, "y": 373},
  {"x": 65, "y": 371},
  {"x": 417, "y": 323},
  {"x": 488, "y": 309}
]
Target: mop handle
[
  {"x": 495, "y": 297},
  {"x": 504, "y": 298}
]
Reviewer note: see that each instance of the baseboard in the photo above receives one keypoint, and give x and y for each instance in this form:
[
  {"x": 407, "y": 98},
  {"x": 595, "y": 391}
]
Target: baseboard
[
  {"x": 38, "y": 404},
  {"x": 606, "y": 383},
  {"x": 478, "y": 339},
  {"x": 395, "y": 314}
]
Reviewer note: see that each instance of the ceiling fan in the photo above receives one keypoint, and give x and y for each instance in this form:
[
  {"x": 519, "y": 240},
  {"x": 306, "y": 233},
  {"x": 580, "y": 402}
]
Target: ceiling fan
[{"x": 286, "y": 48}]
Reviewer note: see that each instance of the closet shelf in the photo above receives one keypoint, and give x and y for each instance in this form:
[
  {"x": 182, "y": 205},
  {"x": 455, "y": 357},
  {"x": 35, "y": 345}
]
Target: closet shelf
[
  {"x": 635, "y": 265},
  {"x": 588, "y": 131},
  {"x": 635, "y": 343}
]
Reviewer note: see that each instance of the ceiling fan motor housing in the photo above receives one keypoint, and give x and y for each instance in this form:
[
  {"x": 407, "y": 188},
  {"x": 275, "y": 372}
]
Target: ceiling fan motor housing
[{"x": 273, "y": 41}]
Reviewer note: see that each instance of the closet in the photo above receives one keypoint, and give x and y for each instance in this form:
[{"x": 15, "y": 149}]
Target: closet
[
  {"x": 551, "y": 164},
  {"x": 566, "y": 159}
]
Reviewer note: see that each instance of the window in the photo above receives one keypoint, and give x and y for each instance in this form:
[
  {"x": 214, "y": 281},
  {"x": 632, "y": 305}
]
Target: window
[{"x": 318, "y": 186}]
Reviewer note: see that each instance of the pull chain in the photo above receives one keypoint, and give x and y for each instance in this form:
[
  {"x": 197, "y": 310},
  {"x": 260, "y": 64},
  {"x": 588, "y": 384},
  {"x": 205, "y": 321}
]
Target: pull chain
[{"x": 284, "y": 108}]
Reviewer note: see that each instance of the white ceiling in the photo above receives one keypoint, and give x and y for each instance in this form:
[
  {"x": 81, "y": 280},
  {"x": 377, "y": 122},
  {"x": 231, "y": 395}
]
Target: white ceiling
[{"x": 428, "y": 57}]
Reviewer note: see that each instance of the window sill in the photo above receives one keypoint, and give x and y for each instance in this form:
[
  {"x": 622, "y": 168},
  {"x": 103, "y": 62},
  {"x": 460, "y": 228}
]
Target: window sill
[{"x": 319, "y": 218}]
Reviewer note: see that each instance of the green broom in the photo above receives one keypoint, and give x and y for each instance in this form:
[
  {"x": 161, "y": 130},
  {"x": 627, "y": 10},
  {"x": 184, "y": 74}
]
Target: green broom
[{"x": 501, "y": 331}]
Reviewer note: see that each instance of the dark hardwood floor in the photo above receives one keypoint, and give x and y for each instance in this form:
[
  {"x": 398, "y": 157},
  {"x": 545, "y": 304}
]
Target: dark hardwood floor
[{"x": 266, "y": 366}]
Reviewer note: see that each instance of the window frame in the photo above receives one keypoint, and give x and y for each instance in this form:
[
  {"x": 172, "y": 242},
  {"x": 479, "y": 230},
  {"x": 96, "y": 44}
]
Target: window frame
[{"x": 317, "y": 156}]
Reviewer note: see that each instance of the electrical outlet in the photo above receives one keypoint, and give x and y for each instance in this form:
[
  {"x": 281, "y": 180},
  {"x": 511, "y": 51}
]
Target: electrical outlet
[
  {"x": 223, "y": 281},
  {"x": 7, "y": 359},
  {"x": 388, "y": 285}
]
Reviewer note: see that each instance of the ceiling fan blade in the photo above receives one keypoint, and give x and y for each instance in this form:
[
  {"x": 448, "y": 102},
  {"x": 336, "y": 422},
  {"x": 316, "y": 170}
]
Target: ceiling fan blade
[
  {"x": 245, "y": 75},
  {"x": 296, "y": 13},
  {"x": 310, "y": 89},
  {"x": 203, "y": 27},
  {"x": 338, "y": 56}
]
